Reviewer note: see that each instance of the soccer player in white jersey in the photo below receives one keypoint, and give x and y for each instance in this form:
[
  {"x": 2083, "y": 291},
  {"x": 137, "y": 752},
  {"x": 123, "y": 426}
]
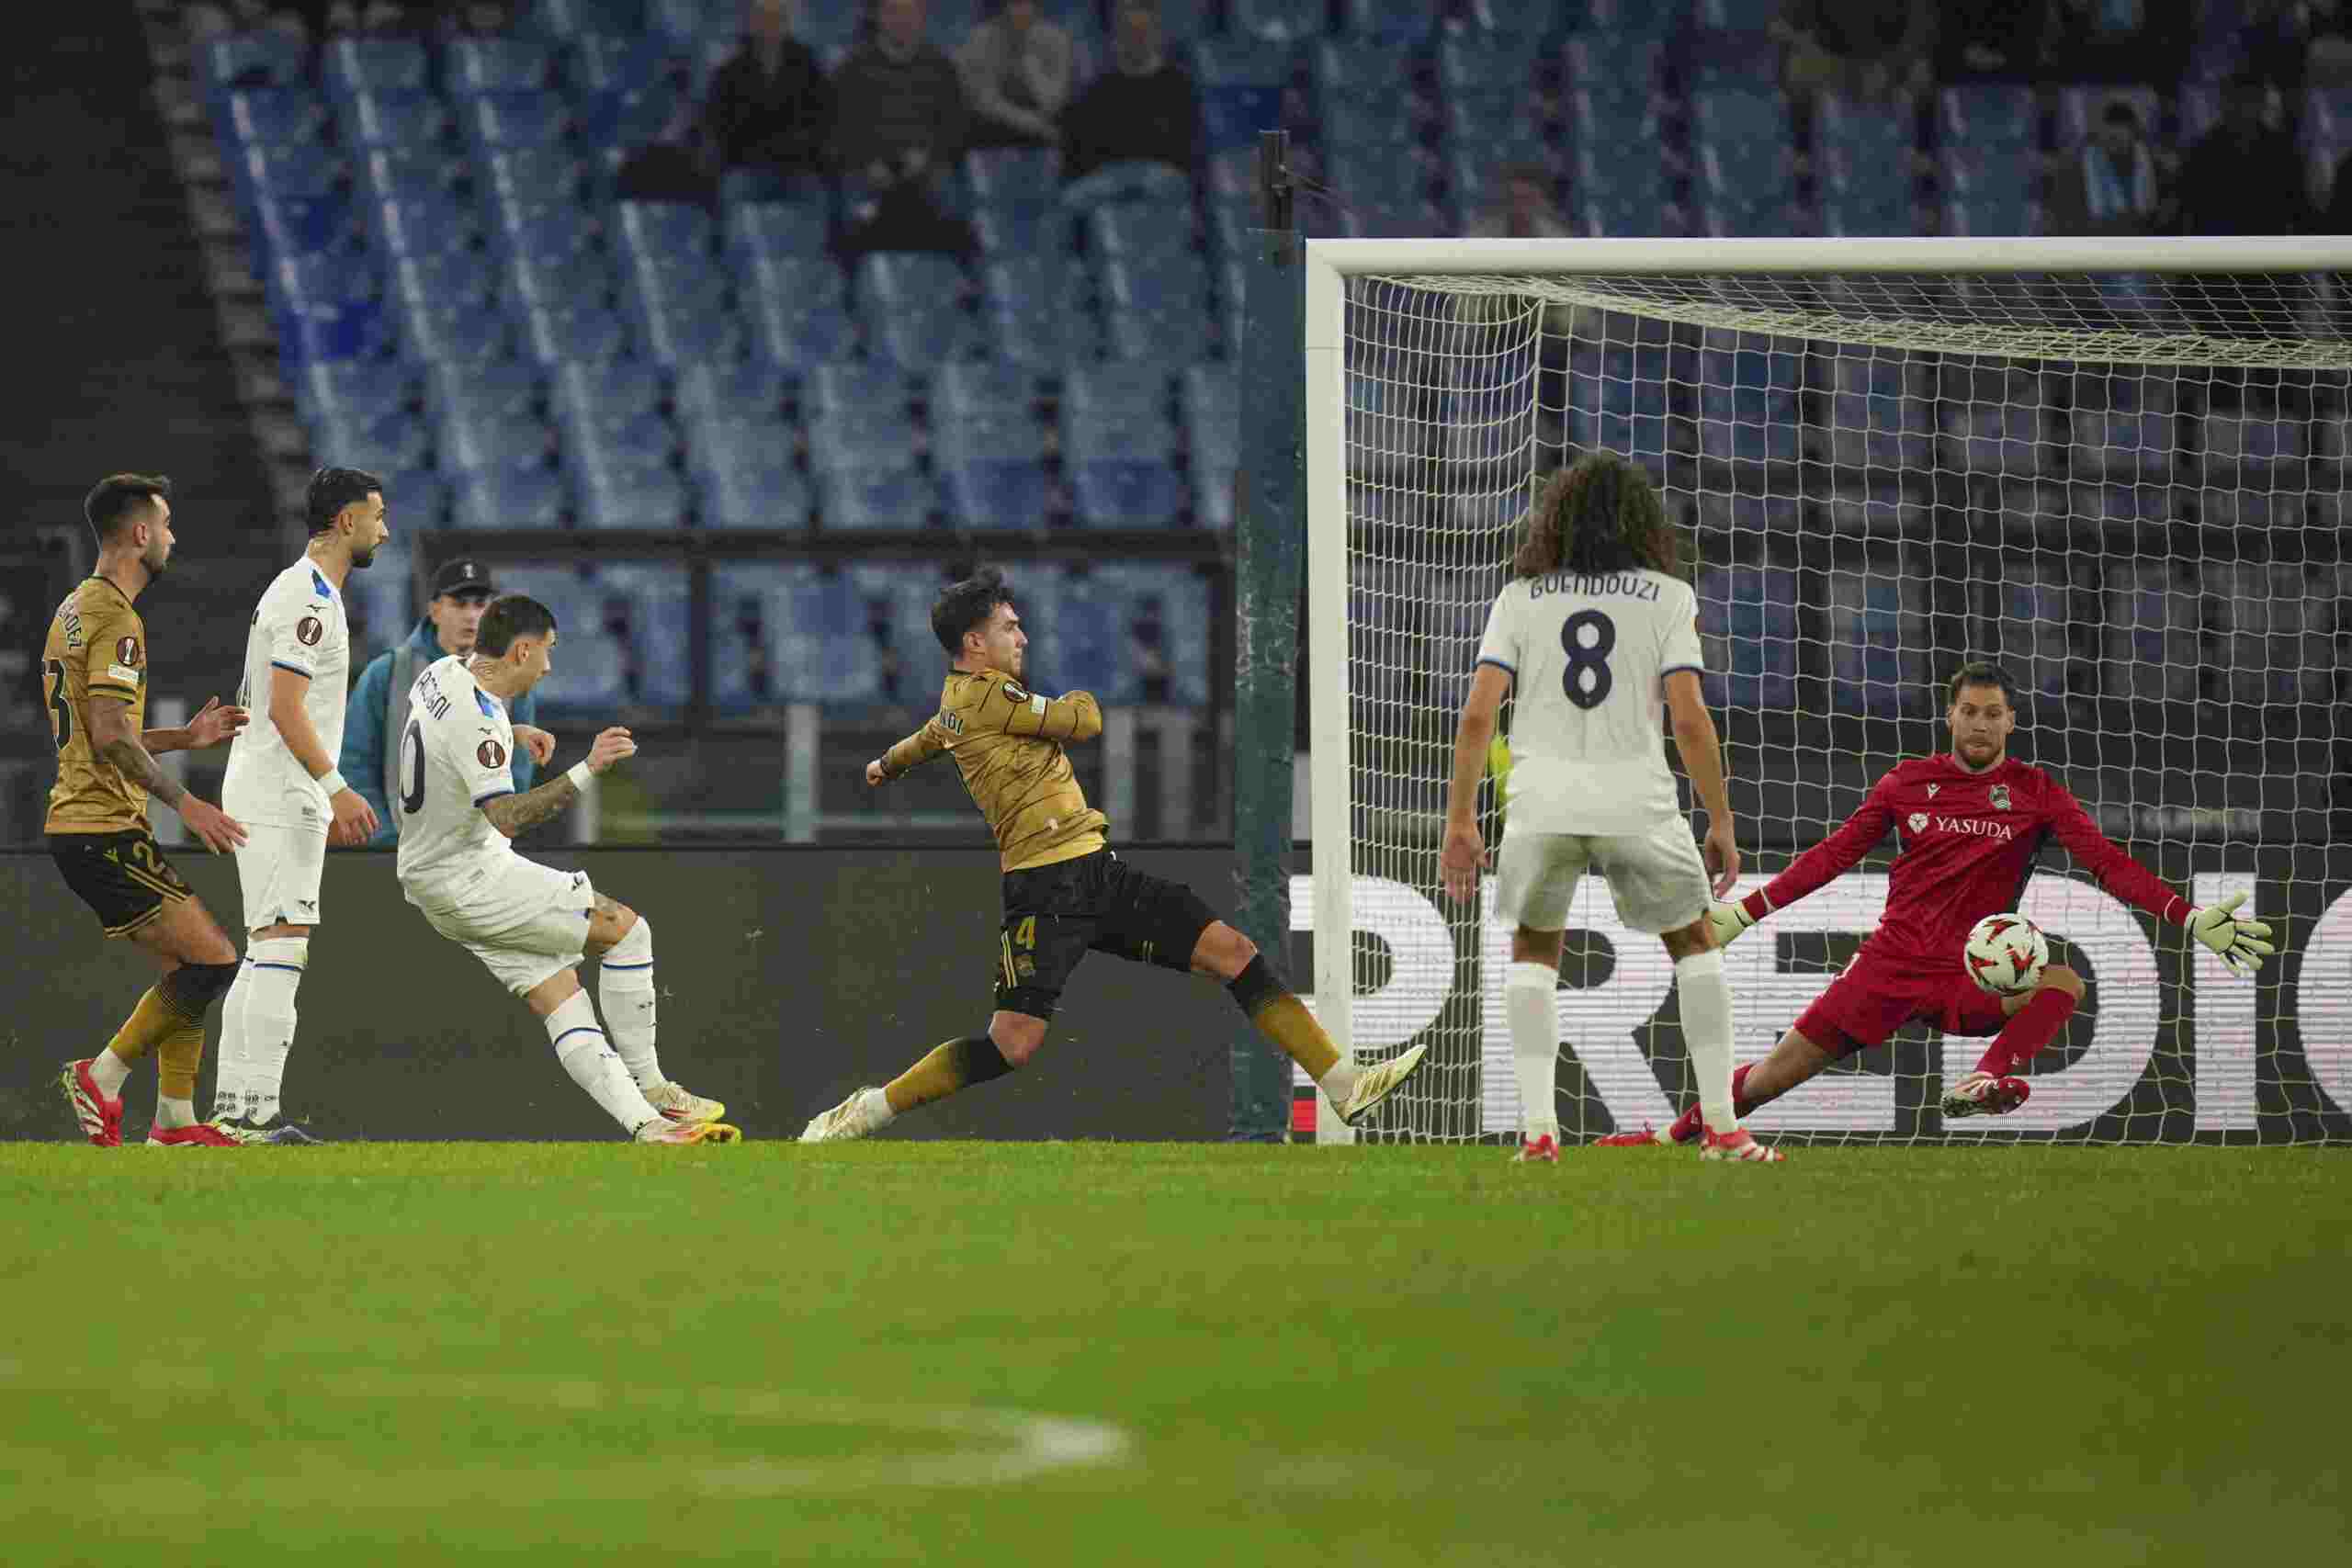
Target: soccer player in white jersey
[
  {"x": 1597, "y": 632},
  {"x": 283, "y": 780},
  {"x": 528, "y": 923}
]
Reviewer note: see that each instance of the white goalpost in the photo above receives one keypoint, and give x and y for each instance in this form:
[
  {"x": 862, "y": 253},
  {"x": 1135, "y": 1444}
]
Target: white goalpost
[{"x": 2115, "y": 466}]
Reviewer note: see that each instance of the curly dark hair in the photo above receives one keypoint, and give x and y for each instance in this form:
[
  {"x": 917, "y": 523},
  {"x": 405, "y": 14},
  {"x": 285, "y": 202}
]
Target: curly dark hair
[
  {"x": 1600, "y": 513},
  {"x": 967, "y": 605}
]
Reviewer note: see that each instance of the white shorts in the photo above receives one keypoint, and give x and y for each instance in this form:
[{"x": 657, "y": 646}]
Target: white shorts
[
  {"x": 1657, "y": 878},
  {"x": 277, "y": 870},
  {"x": 525, "y": 922}
]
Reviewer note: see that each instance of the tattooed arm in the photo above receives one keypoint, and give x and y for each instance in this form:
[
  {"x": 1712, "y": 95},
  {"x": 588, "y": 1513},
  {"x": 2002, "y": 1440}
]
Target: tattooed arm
[
  {"x": 115, "y": 741},
  {"x": 514, "y": 814}
]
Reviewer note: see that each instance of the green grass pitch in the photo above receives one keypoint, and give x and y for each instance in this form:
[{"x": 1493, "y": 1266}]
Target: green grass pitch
[{"x": 1109, "y": 1354}]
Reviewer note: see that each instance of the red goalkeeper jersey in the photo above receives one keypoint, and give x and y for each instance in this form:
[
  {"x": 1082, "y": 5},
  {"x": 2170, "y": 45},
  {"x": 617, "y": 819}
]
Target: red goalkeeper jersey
[{"x": 1966, "y": 843}]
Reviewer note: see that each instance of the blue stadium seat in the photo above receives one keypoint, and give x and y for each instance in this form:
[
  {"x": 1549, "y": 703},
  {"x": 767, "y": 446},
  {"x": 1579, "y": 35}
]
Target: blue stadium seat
[
  {"x": 267, "y": 57},
  {"x": 1138, "y": 633},
  {"x": 517, "y": 66},
  {"x": 1613, "y": 63},
  {"x": 648, "y": 610},
  {"x": 1878, "y": 643},
  {"x": 1283, "y": 22},
  {"x": 1392, "y": 24},
  {"x": 532, "y": 498},
  {"x": 394, "y": 119},
  {"x": 1028, "y": 320},
  {"x": 676, "y": 330},
  {"x": 1479, "y": 64},
  {"x": 914, "y": 303},
  {"x": 298, "y": 171},
  {"x": 1508, "y": 127},
  {"x": 885, "y": 493},
  {"x": 354, "y": 389},
  {"x": 580, "y": 20},
  {"x": 1742, "y": 136},
  {"x": 791, "y": 331},
  {"x": 799, "y": 638},
  {"x": 746, "y": 389},
  {"x": 555, "y": 282},
  {"x": 452, "y": 330},
  {"x": 982, "y": 390},
  {"x": 471, "y": 443},
  {"x": 423, "y": 497},
  {"x": 274, "y": 115},
  {"x": 1993, "y": 438},
  {"x": 855, "y": 391},
  {"x": 744, "y": 495},
  {"x": 626, "y": 388},
  {"x": 1758, "y": 610},
  {"x": 1533, "y": 21},
  {"x": 791, "y": 231},
  {"x": 546, "y": 236},
  {"x": 424, "y": 223},
  {"x": 414, "y": 173},
  {"x": 1184, "y": 22},
  {"x": 380, "y": 442},
  {"x": 512, "y": 390},
  {"x": 624, "y": 488},
  {"x": 300, "y": 282},
  {"x": 1749, "y": 425},
  {"x": 992, "y": 493},
  {"x": 1211, "y": 414},
  {"x": 1988, "y": 117},
  {"x": 1241, "y": 84},
  {"x": 353, "y": 64},
  {"x": 1991, "y": 191},
  {"x": 1354, "y": 70},
  {"x": 1017, "y": 177},
  {"x": 1138, "y": 238},
  {"x": 498, "y": 120},
  {"x": 526, "y": 176},
  {"x": 665, "y": 235},
  {"x": 589, "y": 331}
]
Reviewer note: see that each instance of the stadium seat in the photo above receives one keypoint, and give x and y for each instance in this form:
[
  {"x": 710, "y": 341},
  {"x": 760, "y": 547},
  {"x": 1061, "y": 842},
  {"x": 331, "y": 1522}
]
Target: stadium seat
[
  {"x": 415, "y": 120},
  {"x": 738, "y": 495},
  {"x": 1187, "y": 21},
  {"x": 914, "y": 302},
  {"x": 354, "y": 389},
  {"x": 1013, "y": 177},
  {"x": 471, "y": 441},
  {"x": 1029, "y": 319},
  {"x": 587, "y": 330},
  {"x": 555, "y": 282},
  {"x": 1878, "y": 638},
  {"x": 2154, "y": 620},
  {"x": 881, "y": 492},
  {"x": 267, "y": 117},
  {"x": 749, "y": 389},
  {"x": 992, "y": 493},
  {"x": 675, "y": 330},
  {"x": 2035, "y": 607},
  {"x": 1612, "y": 64},
  {"x": 982, "y": 390},
  {"x": 452, "y": 330},
  {"x": 500, "y": 120},
  {"x": 591, "y": 671},
  {"x": 485, "y": 392},
  {"x": 1212, "y": 415},
  {"x": 1753, "y": 661},
  {"x": 857, "y": 391},
  {"x": 1241, "y": 84},
  {"x": 299, "y": 171},
  {"x": 1985, "y": 115},
  {"x": 352, "y": 64},
  {"x": 801, "y": 637},
  {"x": 1747, "y": 425},
  {"x": 620, "y": 489},
  {"x": 580, "y": 20},
  {"x": 648, "y": 610},
  {"x": 479, "y": 65},
  {"x": 509, "y": 498},
  {"x": 1282, "y": 21},
  {"x": 381, "y": 442},
  {"x": 1742, "y": 136},
  {"x": 424, "y": 223},
  {"x": 269, "y": 57},
  {"x": 786, "y": 231},
  {"x": 1478, "y": 64}
]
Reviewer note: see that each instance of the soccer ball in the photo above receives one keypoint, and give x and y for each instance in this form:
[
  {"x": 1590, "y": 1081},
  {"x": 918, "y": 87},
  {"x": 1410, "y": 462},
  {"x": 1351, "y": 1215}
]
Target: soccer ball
[{"x": 2006, "y": 954}]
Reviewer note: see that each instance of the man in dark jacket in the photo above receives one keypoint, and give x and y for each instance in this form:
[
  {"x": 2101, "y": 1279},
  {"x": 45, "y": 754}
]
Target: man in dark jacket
[
  {"x": 2244, "y": 177},
  {"x": 900, "y": 122},
  {"x": 770, "y": 106},
  {"x": 1145, "y": 107},
  {"x": 379, "y": 704}
]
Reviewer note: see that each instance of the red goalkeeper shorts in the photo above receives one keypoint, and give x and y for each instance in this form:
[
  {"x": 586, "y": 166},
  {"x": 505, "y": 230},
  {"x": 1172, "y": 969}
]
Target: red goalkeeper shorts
[{"x": 1869, "y": 1001}]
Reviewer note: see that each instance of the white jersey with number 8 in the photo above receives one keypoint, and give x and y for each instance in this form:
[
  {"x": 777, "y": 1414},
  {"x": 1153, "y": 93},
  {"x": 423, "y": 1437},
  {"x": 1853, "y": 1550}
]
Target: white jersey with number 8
[
  {"x": 457, "y": 745},
  {"x": 1589, "y": 656}
]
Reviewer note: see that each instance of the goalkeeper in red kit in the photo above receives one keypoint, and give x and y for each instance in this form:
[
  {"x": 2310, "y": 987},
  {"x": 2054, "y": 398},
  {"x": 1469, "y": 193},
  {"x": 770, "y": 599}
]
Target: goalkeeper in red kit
[{"x": 1968, "y": 825}]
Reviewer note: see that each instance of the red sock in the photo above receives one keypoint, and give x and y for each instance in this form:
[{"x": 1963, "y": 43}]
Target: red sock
[
  {"x": 1689, "y": 1126},
  {"x": 2030, "y": 1028}
]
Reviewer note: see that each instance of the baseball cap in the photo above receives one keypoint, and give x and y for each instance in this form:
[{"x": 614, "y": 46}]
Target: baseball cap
[{"x": 461, "y": 577}]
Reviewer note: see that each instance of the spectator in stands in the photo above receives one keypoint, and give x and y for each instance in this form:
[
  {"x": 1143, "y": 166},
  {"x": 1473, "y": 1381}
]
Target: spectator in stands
[
  {"x": 1016, "y": 69},
  {"x": 2246, "y": 177},
  {"x": 1144, "y": 108},
  {"x": 1858, "y": 49},
  {"x": 770, "y": 106},
  {"x": 2327, "y": 26},
  {"x": 1992, "y": 41},
  {"x": 2107, "y": 186},
  {"x": 900, "y": 120},
  {"x": 378, "y": 706},
  {"x": 1526, "y": 211}
]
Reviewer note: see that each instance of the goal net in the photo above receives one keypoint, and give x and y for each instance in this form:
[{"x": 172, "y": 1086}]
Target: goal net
[{"x": 2120, "y": 478}]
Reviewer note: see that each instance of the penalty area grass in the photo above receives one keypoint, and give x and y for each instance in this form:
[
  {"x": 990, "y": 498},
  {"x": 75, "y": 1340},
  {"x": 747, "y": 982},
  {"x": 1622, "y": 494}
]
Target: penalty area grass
[{"x": 898, "y": 1351}]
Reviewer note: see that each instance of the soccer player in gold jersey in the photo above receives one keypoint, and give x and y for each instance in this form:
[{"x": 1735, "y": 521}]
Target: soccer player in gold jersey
[
  {"x": 1066, "y": 893},
  {"x": 95, "y": 672}
]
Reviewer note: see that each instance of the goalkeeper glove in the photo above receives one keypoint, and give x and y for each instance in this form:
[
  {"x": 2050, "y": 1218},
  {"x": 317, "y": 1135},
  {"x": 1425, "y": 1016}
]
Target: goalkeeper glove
[
  {"x": 1727, "y": 920},
  {"x": 2239, "y": 941}
]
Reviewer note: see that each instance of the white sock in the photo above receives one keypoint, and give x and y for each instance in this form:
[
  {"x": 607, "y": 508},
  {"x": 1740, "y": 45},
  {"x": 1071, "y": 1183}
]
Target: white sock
[
  {"x": 257, "y": 1029},
  {"x": 175, "y": 1112},
  {"x": 109, "y": 1072},
  {"x": 876, "y": 1107},
  {"x": 1531, "y": 1000},
  {"x": 580, "y": 1046},
  {"x": 1705, "y": 998},
  {"x": 229, "y": 1087},
  {"x": 1339, "y": 1081},
  {"x": 625, "y": 990}
]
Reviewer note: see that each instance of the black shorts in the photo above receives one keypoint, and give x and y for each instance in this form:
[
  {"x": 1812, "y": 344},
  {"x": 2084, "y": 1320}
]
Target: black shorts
[
  {"x": 1056, "y": 915},
  {"x": 123, "y": 877}
]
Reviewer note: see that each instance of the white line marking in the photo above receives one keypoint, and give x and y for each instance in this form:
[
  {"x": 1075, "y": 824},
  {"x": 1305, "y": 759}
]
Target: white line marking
[{"x": 983, "y": 1446}]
